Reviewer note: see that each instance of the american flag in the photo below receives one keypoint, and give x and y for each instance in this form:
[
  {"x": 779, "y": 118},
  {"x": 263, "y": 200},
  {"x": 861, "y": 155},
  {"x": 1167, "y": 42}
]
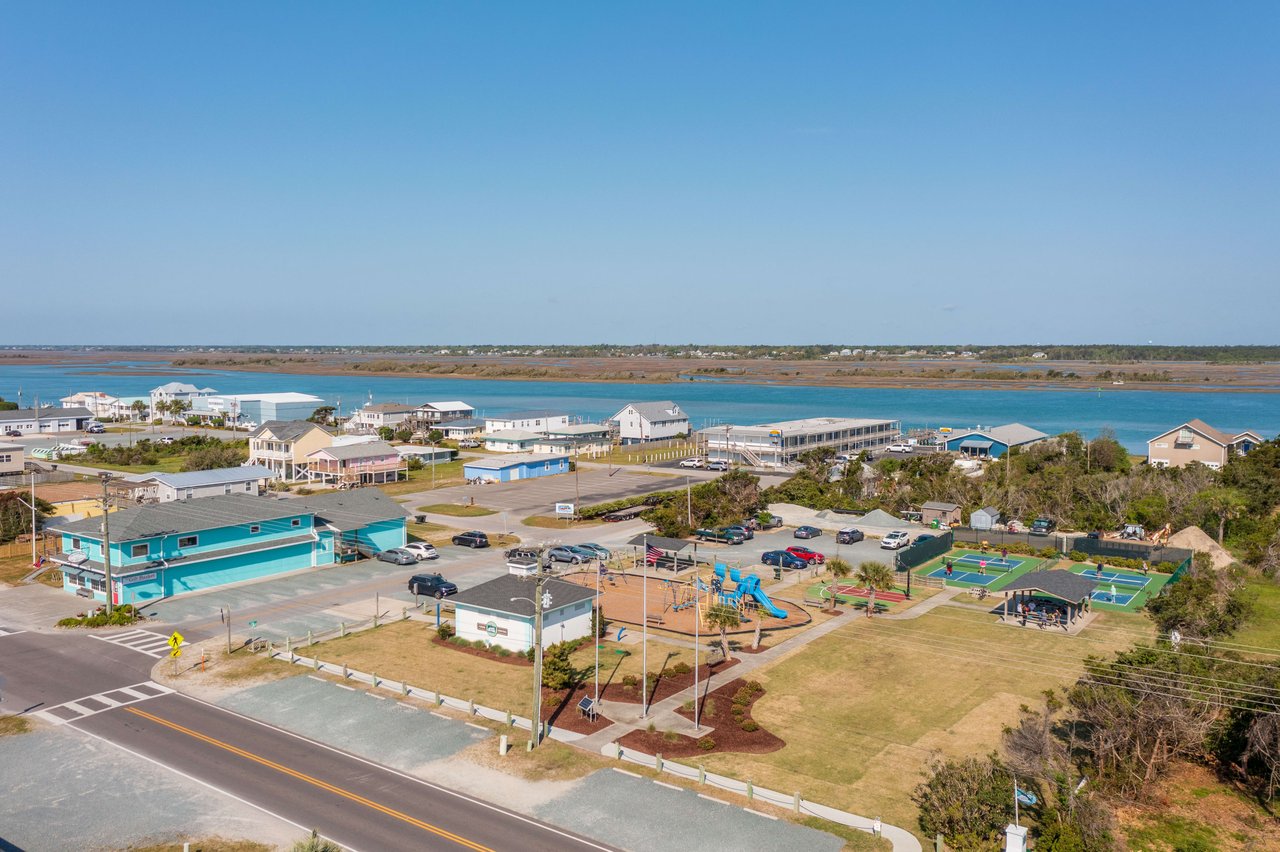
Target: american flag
[{"x": 652, "y": 555}]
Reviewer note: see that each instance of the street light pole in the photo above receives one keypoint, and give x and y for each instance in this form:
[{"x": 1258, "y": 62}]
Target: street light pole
[{"x": 106, "y": 538}]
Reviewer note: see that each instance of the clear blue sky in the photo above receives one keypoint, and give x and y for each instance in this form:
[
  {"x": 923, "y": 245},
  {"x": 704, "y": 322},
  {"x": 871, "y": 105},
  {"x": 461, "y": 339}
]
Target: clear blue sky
[{"x": 327, "y": 172}]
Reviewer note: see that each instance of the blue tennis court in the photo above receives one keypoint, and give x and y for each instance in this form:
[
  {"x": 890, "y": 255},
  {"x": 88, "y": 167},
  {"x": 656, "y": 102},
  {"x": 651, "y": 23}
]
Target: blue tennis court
[
  {"x": 1117, "y": 597},
  {"x": 966, "y": 576},
  {"x": 993, "y": 563},
  {"x": 1129, "y": 581}
]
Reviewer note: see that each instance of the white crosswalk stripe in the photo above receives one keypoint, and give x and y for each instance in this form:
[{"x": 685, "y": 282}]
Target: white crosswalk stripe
[
  {"x": 90, "y": 705},
  {"x": 148, "y": 642},
  {"x": 4, "y": 631}
]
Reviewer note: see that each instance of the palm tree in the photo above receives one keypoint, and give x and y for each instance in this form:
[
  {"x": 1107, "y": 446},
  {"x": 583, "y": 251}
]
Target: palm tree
[
  {"x": 138, "y": 407},
  {"x": 839, "y": 569},
  {"x": 1227, "y": 504},
  {"x": 874, "y": 577},
  {"x": 723, "y": 617}
]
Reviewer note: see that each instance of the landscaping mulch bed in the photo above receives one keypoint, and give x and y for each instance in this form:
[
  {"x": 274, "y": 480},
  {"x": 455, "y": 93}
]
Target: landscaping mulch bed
[
  {"x": 561, "y": 710},
  {"x": 668, "y": 685},
  {"x": 718, "y": 713},
  {"x": 513, "y": 659}
]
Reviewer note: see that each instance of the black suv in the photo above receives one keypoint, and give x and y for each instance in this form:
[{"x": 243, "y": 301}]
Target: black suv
[
  {"x": 473, "y": 538},
  {"x": 1043, "y": 526},
  {"x": 431, "y": 584}
]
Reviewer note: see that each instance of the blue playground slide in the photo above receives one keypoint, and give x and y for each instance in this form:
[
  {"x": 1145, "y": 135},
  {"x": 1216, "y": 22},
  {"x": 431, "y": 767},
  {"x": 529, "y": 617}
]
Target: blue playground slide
[{"x": 748, "y": 585}]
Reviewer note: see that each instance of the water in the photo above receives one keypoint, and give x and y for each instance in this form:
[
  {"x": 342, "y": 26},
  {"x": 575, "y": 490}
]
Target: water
[{"x": 1134, "y": 416}]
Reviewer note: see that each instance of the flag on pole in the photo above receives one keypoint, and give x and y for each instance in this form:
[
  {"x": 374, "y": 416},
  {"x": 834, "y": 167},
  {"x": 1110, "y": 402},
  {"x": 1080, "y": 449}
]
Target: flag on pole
[
  {"x": 1024, "y": 797},
  {"x": 652, "y": 555}
]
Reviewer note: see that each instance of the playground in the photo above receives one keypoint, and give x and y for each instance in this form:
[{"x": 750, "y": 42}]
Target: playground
[{"x": 671, "y": 603}]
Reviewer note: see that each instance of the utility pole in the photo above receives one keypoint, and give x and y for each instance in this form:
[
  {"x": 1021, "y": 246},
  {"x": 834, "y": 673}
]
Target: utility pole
[
  {"x": 106, "y": 536},
  {"x": 32, "y": 495},
  {"x": 540, "y": 600},
  {"x": 227, "y": 618},
  {"x": 688, "y": 499}
]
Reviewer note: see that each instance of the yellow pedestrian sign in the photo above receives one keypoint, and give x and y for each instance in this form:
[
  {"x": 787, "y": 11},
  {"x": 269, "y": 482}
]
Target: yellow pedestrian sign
[
  {"x": 176, "y": 652},
  {"x": 175, "y": 641}
]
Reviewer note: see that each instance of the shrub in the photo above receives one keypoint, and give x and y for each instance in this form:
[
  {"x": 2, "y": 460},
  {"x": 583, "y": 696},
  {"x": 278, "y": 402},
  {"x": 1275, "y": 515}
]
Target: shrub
[
  {"x": 743, "y": 696},
  {"x": 670, "y": 736},
  {"x": 652, "y": 727},
  {"x": 480, "y": 644},
  {"x": 459, "y": 641},
  {"x": 710, "y": 707},
  {"x": 502, "y": 651},
  {"x": 687, "y": 707},
  {"x": 69, "y": 622},
  {"x": 681, "y": 668},
  {"x": 749, "y": 725},
  {"x": 754, "y": 687},
  {"x": 706, "y": 743},
  {"x": 630, "y": 681},
  {"x": 445, "y": 631},
  {"x": 1077, "y": 556}
]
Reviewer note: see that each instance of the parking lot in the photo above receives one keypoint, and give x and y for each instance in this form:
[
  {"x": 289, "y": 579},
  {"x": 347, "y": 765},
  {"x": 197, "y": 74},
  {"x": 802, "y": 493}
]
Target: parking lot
[{"x": 539, "y": 496}]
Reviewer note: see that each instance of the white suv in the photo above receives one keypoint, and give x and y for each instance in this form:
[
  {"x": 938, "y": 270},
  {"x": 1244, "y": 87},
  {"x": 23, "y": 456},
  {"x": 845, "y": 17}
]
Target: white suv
[
  {"x": 694, "y": 462},
  {"x": 895, "y": 540},
  {"x": 899, "y": 448}
]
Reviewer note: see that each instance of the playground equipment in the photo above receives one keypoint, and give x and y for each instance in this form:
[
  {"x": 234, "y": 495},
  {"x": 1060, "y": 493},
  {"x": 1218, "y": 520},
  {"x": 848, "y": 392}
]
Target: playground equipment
[
  {"x": 677, "y": 595},
  {"x": 746, "y": 592}
]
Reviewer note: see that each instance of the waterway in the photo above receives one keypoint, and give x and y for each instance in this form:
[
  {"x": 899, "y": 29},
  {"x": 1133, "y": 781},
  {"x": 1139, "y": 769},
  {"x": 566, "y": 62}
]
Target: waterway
[{"x": 1134, "y": 416}]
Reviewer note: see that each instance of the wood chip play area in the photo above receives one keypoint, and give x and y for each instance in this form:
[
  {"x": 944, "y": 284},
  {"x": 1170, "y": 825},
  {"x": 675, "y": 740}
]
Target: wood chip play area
[{"x": 671, "y": 602}]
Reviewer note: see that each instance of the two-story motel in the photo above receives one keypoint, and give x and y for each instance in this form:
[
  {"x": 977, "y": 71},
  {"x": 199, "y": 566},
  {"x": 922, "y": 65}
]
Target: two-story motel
[{"x": 166, "y": 549}]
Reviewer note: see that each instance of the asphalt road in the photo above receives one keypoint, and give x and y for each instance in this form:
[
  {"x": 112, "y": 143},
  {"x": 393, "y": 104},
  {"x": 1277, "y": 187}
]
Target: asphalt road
[{"x": 353, "y": 801}]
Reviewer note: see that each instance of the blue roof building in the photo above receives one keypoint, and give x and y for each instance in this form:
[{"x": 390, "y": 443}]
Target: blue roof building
[
  {"x": 518, "y": 466},
  {"x": 993, "y": 442}
]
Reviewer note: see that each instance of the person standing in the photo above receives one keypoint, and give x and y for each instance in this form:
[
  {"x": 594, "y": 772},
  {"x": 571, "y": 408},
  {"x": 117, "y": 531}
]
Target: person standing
[
  {"x": 1098, "y": 570},
  {"x": 1004, "y": 554}
]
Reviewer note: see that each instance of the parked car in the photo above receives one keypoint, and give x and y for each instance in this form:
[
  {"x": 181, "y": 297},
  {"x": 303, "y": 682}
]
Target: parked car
[
  {"x": 809, "y": 556},
  {"x": 95, "y": 429},
  {"x": 898, "y": 448},
  {"x": 773, "y": 523},
  {"x": 850, "y": 535},
  {"x": 422, "y": 550},
  {"x": 167, "y": 439},
  {"x": 895, "y": 540},
  {"x": 924, "y": 537},
  {"x": 718, "y": 464},
  {"x": 398, "y": 556},
  {"x": 431, "y": 584},
  {"x": 471, "y": 538},
  {"x": 728, "y": 536},
  {"x": 783, "y": 559},
  {"x": 600, "y": 551},
  {"x": 694, "y": 462},
  {"x": 747, "y": 532},
  {"x": 807, "y": 532},
  {"x": 569, "y": 553},
  {"x": 13, "y": 433},
  {"x": 1042, "y": 526},
  {"x": 468, "y": 444}
]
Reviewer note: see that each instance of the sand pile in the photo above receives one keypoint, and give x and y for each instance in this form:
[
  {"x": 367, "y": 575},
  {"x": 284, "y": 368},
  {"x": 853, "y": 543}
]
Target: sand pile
[{"x": 1194, "y": 538}]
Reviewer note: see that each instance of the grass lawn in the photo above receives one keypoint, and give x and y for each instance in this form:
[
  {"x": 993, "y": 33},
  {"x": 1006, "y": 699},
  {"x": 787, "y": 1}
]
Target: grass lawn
[
  {"x": 862, "y": 708},
  {"x": 1263, "y": 629},
  {"x": 456, "y": 511},
  {"x": 13, "y": 725},
  {"x": 559, "y": 522},
  {"x": 208, "y": 844},
  {"x": 14, "y": 568},
  {"x": 165, "y": 464},
  {"x": 447, "y": 473},
  {"x": 439, "y": 534}
]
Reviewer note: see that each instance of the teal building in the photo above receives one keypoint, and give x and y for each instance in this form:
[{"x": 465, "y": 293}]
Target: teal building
[{"x": 167, "y": 549}]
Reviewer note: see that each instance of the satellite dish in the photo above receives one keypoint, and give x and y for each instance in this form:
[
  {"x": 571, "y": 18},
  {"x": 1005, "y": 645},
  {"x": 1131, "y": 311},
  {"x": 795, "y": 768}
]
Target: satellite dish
[{"x": 78, "y": 558}]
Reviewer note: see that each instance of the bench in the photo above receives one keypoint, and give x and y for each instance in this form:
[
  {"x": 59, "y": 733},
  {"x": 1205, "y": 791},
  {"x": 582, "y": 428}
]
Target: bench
[{"x": 653, "y": 619}]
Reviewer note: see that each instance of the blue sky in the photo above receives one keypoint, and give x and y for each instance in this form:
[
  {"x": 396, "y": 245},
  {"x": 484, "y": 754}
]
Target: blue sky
[{"x": 287, "y": 172}]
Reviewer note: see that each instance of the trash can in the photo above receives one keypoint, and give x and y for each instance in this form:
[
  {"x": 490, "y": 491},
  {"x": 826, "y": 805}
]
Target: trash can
[{"x": 935, "y": 523}]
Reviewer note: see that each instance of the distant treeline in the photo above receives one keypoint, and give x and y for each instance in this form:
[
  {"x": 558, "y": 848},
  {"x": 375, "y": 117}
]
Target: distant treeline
[{"x": 1110, "y": 353}]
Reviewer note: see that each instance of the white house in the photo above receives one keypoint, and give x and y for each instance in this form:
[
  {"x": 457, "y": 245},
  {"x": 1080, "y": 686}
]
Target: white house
[
  {"x": 510, "y": 441},
  {"x": 457, "y": 430},
  {"x": 10, "y": 459},
  {"x": 246, "y": 479},
  {"x": 375, "y": 415},
  {"x": 541, "y": 421},
  {"x": 501, "y": 612},
  {"x": 36, "y": 421},
  {"x": 650, "y": 421},
  {"x": 178, "y": 390},
  {"x": 442, "y": 411},
  {"x": 577, "y": 439}
]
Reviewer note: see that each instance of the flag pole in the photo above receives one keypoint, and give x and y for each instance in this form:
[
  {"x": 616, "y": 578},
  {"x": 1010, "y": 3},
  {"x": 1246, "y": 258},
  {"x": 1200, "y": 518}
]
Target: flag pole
[
  {"x": 697, "y": 647},
  {"x": 1015, "y": 801},
  {"x": 644, "y": 630}
]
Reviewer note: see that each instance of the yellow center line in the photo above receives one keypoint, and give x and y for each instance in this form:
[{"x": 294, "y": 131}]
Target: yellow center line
[{"x": 316, "y": 782}]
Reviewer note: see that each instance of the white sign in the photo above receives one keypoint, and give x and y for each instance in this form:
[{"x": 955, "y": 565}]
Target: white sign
[
  {"x": 140, "y": 578},
  {"x": 564, "y": 508}
]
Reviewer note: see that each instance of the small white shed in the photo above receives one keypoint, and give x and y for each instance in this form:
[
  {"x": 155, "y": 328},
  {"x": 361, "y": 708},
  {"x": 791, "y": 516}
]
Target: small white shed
[
  {"x": 500, "y": 612},
  {"x": 984, "y": 518}
]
